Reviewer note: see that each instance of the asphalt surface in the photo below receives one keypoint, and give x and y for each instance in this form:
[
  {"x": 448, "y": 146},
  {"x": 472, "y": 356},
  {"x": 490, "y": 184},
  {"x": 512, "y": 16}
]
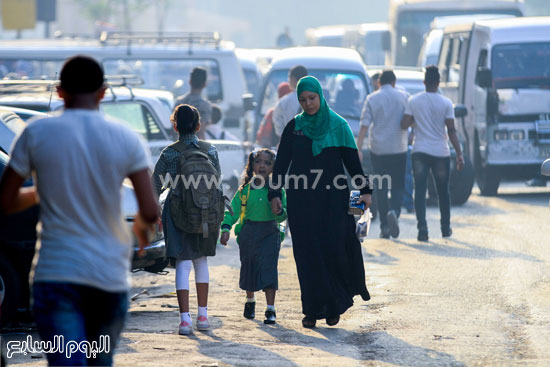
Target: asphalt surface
[{"x": 481, "y": 297}]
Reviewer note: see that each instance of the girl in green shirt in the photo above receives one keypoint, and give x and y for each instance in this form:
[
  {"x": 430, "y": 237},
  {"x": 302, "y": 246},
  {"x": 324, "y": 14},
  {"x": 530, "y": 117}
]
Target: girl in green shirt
[{"x": 257, "y": 233}]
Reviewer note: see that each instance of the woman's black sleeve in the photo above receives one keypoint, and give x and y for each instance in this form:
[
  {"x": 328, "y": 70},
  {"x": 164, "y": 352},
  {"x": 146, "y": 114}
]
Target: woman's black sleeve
[
  {"x": 284, "y": 158},
  {"x": 353, "y": 165}
]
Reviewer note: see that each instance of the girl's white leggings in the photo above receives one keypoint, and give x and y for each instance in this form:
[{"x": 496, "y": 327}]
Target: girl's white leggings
[{"x": 183, "y": 269}]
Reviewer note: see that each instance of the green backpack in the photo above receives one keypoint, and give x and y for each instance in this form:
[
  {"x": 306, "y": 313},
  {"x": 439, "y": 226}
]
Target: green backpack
[{"x": 196, "y": 204}]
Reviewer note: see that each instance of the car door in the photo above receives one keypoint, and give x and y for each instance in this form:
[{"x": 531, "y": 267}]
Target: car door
[{"x": 140, "y": 118}]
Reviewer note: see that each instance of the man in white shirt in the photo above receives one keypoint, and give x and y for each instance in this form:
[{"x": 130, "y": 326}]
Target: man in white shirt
[
  {"x": 79, "y": 160},
  {"x": 382, "y": 114},
  {"x": 288, "y": 106},
  {"x": 432, "y": 116}
]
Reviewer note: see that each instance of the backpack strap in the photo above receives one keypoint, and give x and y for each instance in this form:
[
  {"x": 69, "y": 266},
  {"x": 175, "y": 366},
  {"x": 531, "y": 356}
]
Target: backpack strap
[{"x": 244, "y": 201}]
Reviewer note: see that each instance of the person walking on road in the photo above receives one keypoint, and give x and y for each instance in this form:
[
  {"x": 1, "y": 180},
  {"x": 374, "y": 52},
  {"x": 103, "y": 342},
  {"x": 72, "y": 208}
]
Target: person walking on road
[
  {"x": 432, "y": 116},
  {"x": 81, "y": 267},
  {"x": 257, "y": 233},
  {"x": 184, "y": 247},
  {"x": 197, "y": 81},
  {"x": 266, "y": 136},
  {"x": 288, "y": 106},
  {"x": 382, "y": 113},
  {"x": 315, "y": 147}
]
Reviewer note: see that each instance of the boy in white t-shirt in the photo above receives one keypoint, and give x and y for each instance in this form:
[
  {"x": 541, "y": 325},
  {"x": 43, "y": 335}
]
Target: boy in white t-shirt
[
  {"x": 79, "y": 160},
  {"x": 432, "y": 116}
]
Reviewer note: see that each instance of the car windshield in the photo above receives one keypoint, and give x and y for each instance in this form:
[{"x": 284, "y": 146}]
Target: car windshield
[
  {"x": 171, "y": 75},
  {"x": 252, "y": 82},
  {"x": 30, "y": 69},
  {"x": 344, "y": 91},
  {"x": 524, "y": 65},
  {"x": 412, "y": 25}
]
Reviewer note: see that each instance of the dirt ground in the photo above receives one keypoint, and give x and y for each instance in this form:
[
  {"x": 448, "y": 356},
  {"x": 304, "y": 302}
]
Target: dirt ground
[{"x": 481, "y": 298}]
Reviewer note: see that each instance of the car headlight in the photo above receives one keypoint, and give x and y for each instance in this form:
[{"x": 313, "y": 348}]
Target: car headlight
[
  {"x": 517, "y": 135},
  {"x": 501, "y": 135}
]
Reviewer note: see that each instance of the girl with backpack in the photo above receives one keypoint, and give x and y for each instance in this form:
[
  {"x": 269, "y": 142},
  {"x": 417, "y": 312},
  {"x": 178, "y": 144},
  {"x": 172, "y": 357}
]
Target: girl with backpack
[
  {"x": 258, "y": 233},
  {"x": 188, "y": 245}
]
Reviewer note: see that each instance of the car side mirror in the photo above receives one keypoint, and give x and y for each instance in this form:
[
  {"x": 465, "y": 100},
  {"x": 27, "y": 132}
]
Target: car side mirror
[
  {"x": 484, "y": 77},
  {"x": 460, "y": 110},
  {"x": 545, "y": 168},
  {"x": 248, "y": 102},
  {"x": 386, "y": 41}
]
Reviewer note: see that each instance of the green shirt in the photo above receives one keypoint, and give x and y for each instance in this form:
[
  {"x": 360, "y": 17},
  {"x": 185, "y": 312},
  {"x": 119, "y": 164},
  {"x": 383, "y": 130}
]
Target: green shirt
[{"x": 258, "y": 208}]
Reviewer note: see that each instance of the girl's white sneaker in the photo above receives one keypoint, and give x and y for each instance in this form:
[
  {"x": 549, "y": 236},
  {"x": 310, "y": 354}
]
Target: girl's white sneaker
[
  {"x": 185, "y": 328},
  {"x": 202, "y": 323}
]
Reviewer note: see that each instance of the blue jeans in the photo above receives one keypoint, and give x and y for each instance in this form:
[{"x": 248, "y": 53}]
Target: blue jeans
[
  {"x": 79, "y": 313},
  {"x": 441, "y": 169}
]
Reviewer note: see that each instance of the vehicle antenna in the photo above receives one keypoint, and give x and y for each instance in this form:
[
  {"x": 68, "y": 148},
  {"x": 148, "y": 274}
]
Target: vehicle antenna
[{"x": 51, "y": 92}]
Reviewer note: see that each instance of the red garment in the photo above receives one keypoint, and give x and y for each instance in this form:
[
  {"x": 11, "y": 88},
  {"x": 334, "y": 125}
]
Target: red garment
[{"x": 266, "y": 133}]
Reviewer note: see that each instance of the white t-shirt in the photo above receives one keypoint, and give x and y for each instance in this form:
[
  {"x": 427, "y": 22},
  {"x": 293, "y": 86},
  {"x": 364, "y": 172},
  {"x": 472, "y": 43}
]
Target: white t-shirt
[
  {"x": 79, "y": 160},
  {"x": 430, "y": 133},
  {"x": 383, "y": 111},
  {"x": 285, "y": 110}
]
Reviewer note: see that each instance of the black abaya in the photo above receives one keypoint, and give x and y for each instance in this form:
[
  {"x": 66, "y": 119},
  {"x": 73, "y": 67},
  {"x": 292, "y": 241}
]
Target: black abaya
[{"x": 326, "y": 250}]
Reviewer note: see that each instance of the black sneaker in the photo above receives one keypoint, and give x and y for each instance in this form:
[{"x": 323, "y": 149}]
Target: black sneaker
[
  {"x": 423, "y": 234},
  {"x": 270, "y": 317},
  {"x": 446, "y": 231},
  {"x": 384, "y": 232},
  {"x": 249, "y": 310},
  {"x": 393, "y": 223}
]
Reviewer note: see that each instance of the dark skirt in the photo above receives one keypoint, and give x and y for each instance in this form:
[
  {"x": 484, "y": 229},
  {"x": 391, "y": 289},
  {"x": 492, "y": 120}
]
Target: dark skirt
[
  {"x": 259, "y": 246},
  {"x": 185, "y": 246}
]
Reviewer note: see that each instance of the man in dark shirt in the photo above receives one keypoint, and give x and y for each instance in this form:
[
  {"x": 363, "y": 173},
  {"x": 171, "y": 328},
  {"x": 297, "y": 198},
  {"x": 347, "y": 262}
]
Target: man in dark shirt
[{"x": 197, "y": 81}]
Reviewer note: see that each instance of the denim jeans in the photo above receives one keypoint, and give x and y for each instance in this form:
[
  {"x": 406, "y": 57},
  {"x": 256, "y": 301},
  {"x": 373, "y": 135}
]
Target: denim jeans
[
  {"x": 441, "y": 169},
  {"x": 394, "y": 166},
  {"x": 408, "y": 202},
  {"x": 79, "y": 313}
]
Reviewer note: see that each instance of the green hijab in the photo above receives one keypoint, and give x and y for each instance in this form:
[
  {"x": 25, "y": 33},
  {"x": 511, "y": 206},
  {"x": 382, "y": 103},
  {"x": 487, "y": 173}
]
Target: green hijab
[{"x": 326, "y": 128}]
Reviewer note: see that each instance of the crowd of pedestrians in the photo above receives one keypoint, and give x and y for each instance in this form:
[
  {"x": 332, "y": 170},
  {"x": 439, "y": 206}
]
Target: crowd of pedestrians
[{"x": 80, "y": 278}]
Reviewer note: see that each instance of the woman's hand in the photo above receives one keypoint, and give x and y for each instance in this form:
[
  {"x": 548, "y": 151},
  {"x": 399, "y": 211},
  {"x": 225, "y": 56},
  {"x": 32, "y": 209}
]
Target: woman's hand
[
  {"x": 365, "y": 198},
  {"x": 276, "y": 206},
  {"x": 224, "y": 238}
]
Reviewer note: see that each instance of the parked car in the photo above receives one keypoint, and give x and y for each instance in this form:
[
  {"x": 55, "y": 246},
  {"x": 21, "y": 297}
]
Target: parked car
[
  {"x": 142, "y": 110},
  {"x": 18, "y": 239},
  {"x": 341, "y": 72},
  {"x": 163, "y": 60}
]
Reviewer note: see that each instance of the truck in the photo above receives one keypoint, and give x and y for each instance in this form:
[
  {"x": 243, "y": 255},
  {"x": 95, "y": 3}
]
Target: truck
[{"x": 499, "y": 71}]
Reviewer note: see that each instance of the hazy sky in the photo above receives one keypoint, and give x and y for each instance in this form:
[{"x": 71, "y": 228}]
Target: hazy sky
[{"x": 257, "y": 23}]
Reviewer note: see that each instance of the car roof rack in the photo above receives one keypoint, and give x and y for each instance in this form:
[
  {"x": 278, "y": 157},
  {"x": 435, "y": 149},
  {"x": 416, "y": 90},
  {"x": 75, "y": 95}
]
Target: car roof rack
[
  {"x": 127, "y": 81},
  {"x": 74, "y": 36},
  {"x": 10, "y": 86},
  {"x": 162, "y": 38}
]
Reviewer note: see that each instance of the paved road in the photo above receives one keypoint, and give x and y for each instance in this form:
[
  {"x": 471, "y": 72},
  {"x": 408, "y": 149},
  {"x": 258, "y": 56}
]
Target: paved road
[{"x": 481, "y": 297}]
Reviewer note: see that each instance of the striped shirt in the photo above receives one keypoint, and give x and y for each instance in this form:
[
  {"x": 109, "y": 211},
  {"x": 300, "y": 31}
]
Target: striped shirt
[{"x": 168, "y": 163}]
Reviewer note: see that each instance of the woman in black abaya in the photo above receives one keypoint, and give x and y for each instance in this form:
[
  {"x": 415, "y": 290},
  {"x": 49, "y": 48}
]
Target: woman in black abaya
[{"x": 317, "y": 144}]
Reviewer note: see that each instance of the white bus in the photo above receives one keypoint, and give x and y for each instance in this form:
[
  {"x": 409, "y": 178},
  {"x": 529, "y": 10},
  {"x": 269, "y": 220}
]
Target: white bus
[{"x": 410, "y": 19}]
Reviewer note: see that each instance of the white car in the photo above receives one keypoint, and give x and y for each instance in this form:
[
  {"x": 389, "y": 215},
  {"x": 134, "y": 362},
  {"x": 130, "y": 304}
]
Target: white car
[
  {"x": 341, "y": 72},
  {"x": 141, "y": 110}
]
